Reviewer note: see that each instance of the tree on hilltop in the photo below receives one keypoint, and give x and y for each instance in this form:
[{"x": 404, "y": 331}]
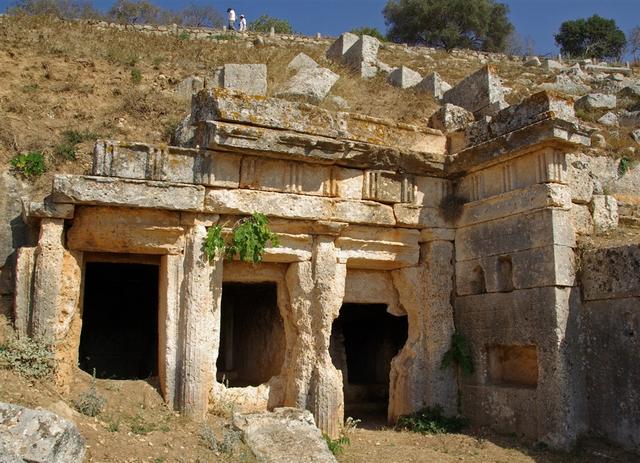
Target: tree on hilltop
[
  {"x": 65, "y": 9},
  {"x": 595, "y": 37},
  {"x": 634, "y": 41},
  {"x": 201, "y": 15},
  {"x": 370, "y": 31},
  {"x": 265, "y": 22},
  {"x": 477, "y": 24}
]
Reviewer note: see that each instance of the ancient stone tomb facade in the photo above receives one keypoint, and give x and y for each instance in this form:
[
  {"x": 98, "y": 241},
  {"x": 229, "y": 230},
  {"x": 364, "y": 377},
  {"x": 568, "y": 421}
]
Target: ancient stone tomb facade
[{"x": 392, "y": 237}]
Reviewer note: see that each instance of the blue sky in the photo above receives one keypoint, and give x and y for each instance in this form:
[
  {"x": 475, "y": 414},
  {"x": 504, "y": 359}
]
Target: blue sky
[{"x": 539, "y": 19}]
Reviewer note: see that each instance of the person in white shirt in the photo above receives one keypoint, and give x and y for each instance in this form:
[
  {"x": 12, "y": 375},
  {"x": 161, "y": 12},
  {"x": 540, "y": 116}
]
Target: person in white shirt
[
  {"x": 231, "y": 16},
  {"x": 243, "y": 23}
]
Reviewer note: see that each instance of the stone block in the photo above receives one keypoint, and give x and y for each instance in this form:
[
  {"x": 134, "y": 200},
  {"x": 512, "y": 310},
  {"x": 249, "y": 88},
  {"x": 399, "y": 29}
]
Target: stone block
[
  {"x": 13, "y": 231},
  {"x": 286, "y": 177},
  {"x": 385, "y": 249},
  {"x": 519, "y": 232},
  {"x": 430, "y": 191},
  {"x": 250, "y": 79},
  {"x": 387, "y": 187},
  {"x": 283, "y": 435},
  {"x": 512, "y": 203},
  {"x": 47, "y": 209},
  {"x": 124, "y": 230},
  {"x": 612, "y": 350},
  {"x": 611, "y": 273},
  {"x": 433, "y": 85},
  {"x": 481, "y": 93},
  {"x": 604, "y": 209},
  {"x": 184, "y": 133},
  {"x": 371, "y": 287},
  {"x": 216, "y": 105},
  {"x": 39, "y": 436},
  {"x": 533, "y": 62},
  {"x": 81, "y": 189},
  {"x": 552, "y": 65},
  {"x": 595, "y": 68},
  {"x": 568, "y": 84},
  {"x": 404, "y": 77},
  {"x": 596, "y": 101},
  {"x": 420, "y": 217},
  {"x": 365, "y": 50},
  {"x": 582, "y": 219},
  {"x": 299, "y": 207},
  {"x": 579, "y": 178},
  {"x": 450, "y": 118},
  {"x": 311, "y": 84},
  {"x": 341, "y": 46},
  {"x": 609, "y": 119},
  {"x": 301, "y": 61},
  {"x": 529, "y": 268},
  {"x": 189, "y": 86},
  {"x": 630, "y": 91}
]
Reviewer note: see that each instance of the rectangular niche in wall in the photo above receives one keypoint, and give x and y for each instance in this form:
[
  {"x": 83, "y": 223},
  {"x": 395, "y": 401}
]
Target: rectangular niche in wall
[
  {"x": 119, "y": 338},
  {"x": 513, "y": 365},
  {"x": 364, "y": 340},
  {"x": 252, "y": 342}
]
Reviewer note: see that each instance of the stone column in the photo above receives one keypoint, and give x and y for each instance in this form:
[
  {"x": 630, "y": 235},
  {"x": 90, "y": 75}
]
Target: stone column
[
  {"x": 49, "y": 257},
  {"x": 316, "y": 291},
  {"x": 199, "y": 322},
  {"x": 424, "y": 291}
]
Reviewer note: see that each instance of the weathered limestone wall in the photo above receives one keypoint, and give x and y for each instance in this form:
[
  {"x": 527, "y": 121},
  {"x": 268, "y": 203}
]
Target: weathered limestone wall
[
  {"x": 611, "y": 292},
  {"x": 517, "y": 302}
]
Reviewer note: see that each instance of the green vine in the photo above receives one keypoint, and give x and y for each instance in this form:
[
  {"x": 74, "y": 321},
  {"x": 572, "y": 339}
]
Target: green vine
[
  {"x": 249, "y": 238},
  {"x": 459, "y": 354}
]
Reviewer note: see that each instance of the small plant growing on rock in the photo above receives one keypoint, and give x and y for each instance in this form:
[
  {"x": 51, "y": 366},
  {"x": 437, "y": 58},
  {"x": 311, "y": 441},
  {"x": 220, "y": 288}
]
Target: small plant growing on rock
[
  {"x": 29, "y": 164},
  {"x": 136, "y": 76},
  {"x": 249, "y": 238},
  {"x": 28, "y": 357},
  {"x": 431, "y": 420},
  {"x": 459, "y": 354},
  {"x": 90, "y": 403},
  {"x": 336, "y": 446}
]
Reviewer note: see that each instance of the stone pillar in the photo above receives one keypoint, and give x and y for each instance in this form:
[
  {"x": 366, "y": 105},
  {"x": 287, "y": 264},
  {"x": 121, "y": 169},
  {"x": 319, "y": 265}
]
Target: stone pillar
[
  {"x": 169, "y": 363},
  {"x": 424, "y": 291},
  {"x": 316, "y": 290},
  {"x": 49, "y": 256},
  {"x": 199, "y": 322}
]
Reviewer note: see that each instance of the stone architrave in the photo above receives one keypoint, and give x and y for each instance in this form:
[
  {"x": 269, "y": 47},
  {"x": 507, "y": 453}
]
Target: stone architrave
[
  {"x": 201, "y": 293},
  {"x": 417, "y": 379},
  {"x": 316, "y": 290}
]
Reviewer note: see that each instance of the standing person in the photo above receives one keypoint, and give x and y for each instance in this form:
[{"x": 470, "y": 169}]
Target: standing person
[
  {"x": 243, "y": 23},
  {"x": 231, "y": 16}
]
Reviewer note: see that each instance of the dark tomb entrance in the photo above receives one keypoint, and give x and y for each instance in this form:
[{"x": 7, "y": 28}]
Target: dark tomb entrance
[
  {"x": 364, "y": 340},
  {"x": 252, "y": 342},
  {"x": 120, "y": 320}
]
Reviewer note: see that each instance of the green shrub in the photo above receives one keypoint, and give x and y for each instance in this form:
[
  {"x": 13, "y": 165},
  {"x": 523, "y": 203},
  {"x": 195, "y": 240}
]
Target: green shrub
[
  {"x": 140, "y": 426},
  {"x": 66, "y": 151},
  {"x": 249, "y": 239},
  {"x": 431, "y": 420},
  {"x": 75, "y": 137},
  {"x": 336, "y": 446},
  {"x": 90, "y": 403},
  {"x": 136, "y": 76},
  {"x": 28, "y": 357},
  {"x": 29, "y": 164},
  {"x": 184, "y": 35}
]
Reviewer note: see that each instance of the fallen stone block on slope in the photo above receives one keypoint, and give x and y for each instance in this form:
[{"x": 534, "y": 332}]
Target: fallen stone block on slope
[
  {"x": 309, "y": 84},
  {"x": 481, "y": 93},
  {"x": 39, "y": 436},
  {"x": 450, "y": 118},
  {"x": 533, "y": 62},
  {"x": 189, "y": 86},
  {"x": 286, "y": 435},
  {"x": 596, "y": 101},
  {"x": 404, "y": 77},
  {"x": 341, "y": 45},
  {"x": 362, "y": 57},
  {"x": 434, "y": 85},
  {"x": 247, "y": 78},
  {"x": 301, "y": 61}
]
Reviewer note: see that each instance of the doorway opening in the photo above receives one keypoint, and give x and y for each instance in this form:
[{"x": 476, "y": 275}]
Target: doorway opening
[
  {"x": 364, "y": 340},
  {"x": 119, "y": 338},
  {"x": 252, "y": 340}
]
